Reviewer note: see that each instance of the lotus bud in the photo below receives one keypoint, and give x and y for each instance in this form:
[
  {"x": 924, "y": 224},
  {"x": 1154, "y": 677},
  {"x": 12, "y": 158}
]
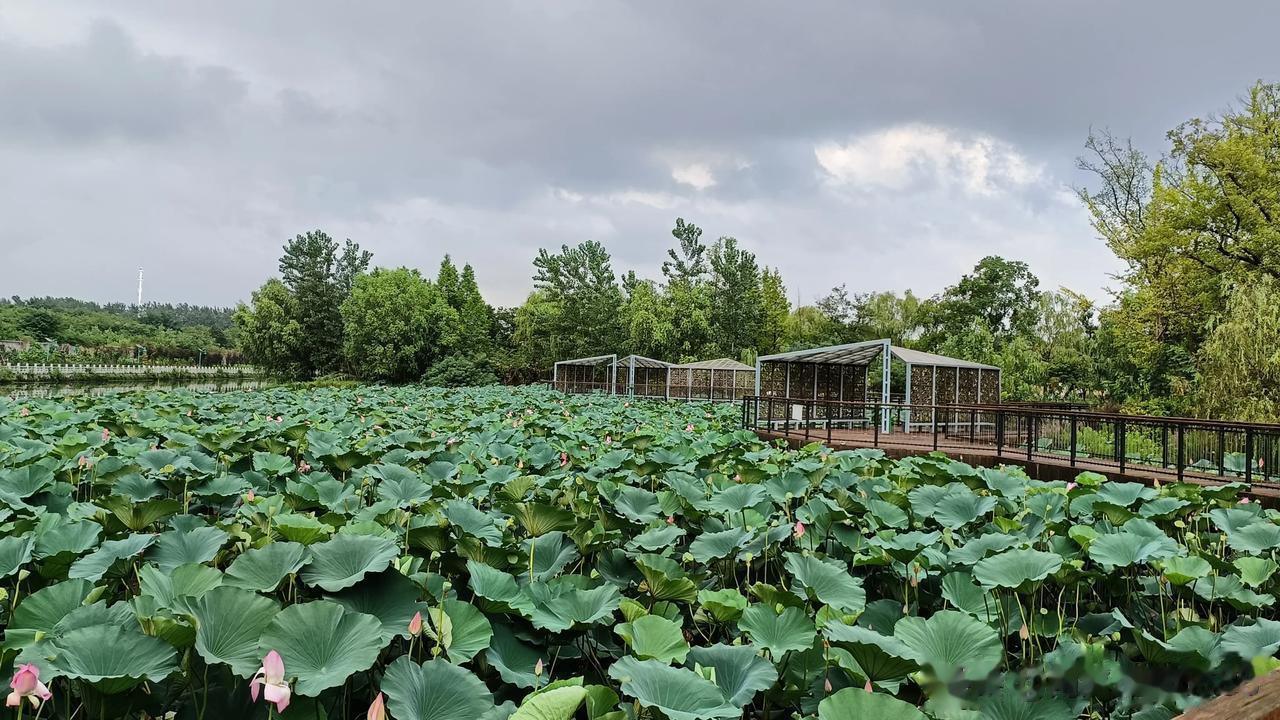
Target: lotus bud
[
  {"x": 377, "y": 709},
  {"x": 26, "y": 684},
  {"x": 688, "y": 428},
  {"x": 270, "y": 680},
  {"x": 867, "y": 687},
  {"x": 671, "y": 519},
  {"x": 1024, "y": 632},
  {"x": 415, "y": 625},
  {"x": 826, "y": 685},
  {"x": 1244, "y": 501},
  {"x": 799, "y": 530},
  {"x": 106, "y": 434},
  {"x": 537, "y": 668}
]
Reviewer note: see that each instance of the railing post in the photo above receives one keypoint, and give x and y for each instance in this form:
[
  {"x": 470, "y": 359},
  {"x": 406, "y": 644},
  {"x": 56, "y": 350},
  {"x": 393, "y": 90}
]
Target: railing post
[
  {"x": 973, "y": 418},
  {"x": 935, "y": 428},
  {"x": 1123, "y": 444},
  {"x": 875, "y": 432},
  {"x": 1073, "y": 440},
  {"x": 808, "y": 419},
  {"x": 1248, "y": 454},
  {"x": 1182, "y": 449},
  {"x": 1031, "y": 432},
  {"x": 1164, "y": 445},
  {"x": 827, "y": 413},
  {"x": 999, "y": 433},
  {"x": 1222, "y": 451},
  {"x": 769, "y": 420}
]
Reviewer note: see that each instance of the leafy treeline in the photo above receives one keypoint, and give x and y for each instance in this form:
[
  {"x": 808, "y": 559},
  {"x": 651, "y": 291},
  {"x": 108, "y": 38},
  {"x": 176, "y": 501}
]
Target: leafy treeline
[{"x": 114, "y": 331}]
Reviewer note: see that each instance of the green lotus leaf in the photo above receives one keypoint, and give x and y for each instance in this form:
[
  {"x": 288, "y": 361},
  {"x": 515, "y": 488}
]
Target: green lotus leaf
[
  {"x": 828, "y": 581},
  {"x": 952, "y": 643},
  {"x": 550, "y": 554},
  {"x": 1012, "y": 704},
  {"x": 733, "y": 499},
  {"x": 262, "y": 569},
  {"x": 1012, "y": 568},
  {"x": 724, "y": 605},
  {"x": 96, "y": 564},
  {"x": 1258, "y": 537},
  {"x": 299, "y": 528},
  {"x": 1261, "y": 639},
  {"x": 389, "y": 596},
  {"x": 73, "y": 537},
  {"x": 740, "y": 672},
  {"x": 982, "y": 546},
  {"x": 493, "y": 584},
  {"x": 272, "y": 464},
  {"x": 637, "y": 505},
  {"x": 856, "y": 704},
  {"x": 459, "y": 628},
  {"x": 657, "y": 538},
  {"x": 111, "y": 657},
  {"x": 654, "y": 638},
  {"x": 959, "y": 589},
  {"x": 777, "y": 633},
  {"x": 539, "y": 519},
  {"x": 514, "y": 660},
  {"x": 229, "y": 622},
  {"x": 343, "y": 561},
  {"x": 556, "y": 609},
  {"x": 15, "y": 551},
  {"x": 183, "y": 581},
  {"x": 25, "y": 481},
  {"x": 879, "y": 657},
  {"x": 1125, "y": 494},
  {"x": 400, "y": 486},
  {"x": 1255, "y": 571},
  {"x": 715, "y": 545},
  {"x": 322, "y": 644},
  {"x": 441, "y": 471},
  {"x": 1181, "y": 570},
  {"x": 41, "y": 611},
  {"x": 434, "y": 690},
  {"x": 472, "y": 521},
  {"x": 559, "y": 703},
  {"x": 174, "y": 548},
  {"x": 678, "y": 693}
]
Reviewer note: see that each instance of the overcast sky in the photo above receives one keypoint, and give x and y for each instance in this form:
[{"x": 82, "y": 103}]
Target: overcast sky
[{"x": 883, "y": 145}]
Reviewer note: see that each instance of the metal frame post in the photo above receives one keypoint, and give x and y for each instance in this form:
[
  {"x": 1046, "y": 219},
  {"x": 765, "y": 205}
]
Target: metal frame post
[
  {"x": 887, "y": 365},
  {"x": 906, "y": 423}
]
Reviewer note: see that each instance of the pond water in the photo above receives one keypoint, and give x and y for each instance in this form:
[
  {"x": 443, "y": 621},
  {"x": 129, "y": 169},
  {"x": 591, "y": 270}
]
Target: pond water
[{"x": 51, "y": 390}]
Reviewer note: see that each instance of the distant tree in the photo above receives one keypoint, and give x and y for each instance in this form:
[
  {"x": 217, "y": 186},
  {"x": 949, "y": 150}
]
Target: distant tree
[
  {"x": 775, "y": 309},
  {"x": 267, "y": 327},
  {"x": 1239, "y": 361},
  {"x": 689, "y": 295},
  {"x": 647, "y": 318},
  {"x": 687, "y": 261},
  {"x": 397, "y": 325},
  {"x": 321, "y": 274},
  {"x": 737, "y": 302},
  {"x": 581, "y": 283},
  {"x": 1000, "y": 294},
  {"x": 459, "y": 371},
  {"x": 41, "y": 324}
]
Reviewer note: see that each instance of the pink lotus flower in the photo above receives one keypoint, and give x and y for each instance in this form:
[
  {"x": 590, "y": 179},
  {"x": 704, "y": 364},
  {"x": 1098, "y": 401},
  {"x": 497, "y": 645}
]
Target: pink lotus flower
[
  {"x": 799, "y": 530},
  {"x": 26, "y": 684},
  {"x": 304, "y": 467},
  {"x": 106, "y": 434},
  {"x": 279, "y": 418},
  {"x": 377, "y": 709},
  {"x": 270, "y": 678},
  {"x": 737, "y": 477},
  {"x": 24, "y": 412},
  {"x": 688, "y": 428},
  {"x": 867, "y": 687},
  {"x": 671, "y": 519},
  {"x": 1071, "y": 486},
  {"x": 564, "y": 459},
  {"x": 608, "y": 439},
  {"x": 415, "y": 625},
  {"x": 250, "y": 496},
  {"x": 1245, "y": 501}
]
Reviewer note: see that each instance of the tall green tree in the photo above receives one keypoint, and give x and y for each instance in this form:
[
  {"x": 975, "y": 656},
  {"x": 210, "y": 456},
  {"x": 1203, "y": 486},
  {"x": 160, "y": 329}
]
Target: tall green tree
[
  {"x": 646, "y": 318},
  {"x": 581, "y": 283},
  {"x": 1002, "y": 295},
  {"x": 775, "y": 309},
  {"x": 268, "y": 330},
  {"x": 397, "y": 325},
  {"x": 320, "y": 274},
  {"x": 689, "y": 295},
  {"x": 1240, "y": 359},
  {"x": 737, "y": 301}
]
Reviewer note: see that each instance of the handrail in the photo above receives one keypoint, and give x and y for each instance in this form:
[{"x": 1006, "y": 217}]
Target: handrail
[{"x": 1121, "y": 444}]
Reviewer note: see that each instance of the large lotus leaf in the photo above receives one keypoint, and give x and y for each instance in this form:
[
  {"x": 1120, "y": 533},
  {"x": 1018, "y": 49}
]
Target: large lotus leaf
[
  {"x": 343, "y": 561},
  {"x": 735, "y": 498},
  {"x": 138, "y": 516},
  {"x": 434, "y": 690},
  {"x": 322, "y": 644},
  {"x": 557, "y": 610},
  {"x": 651, "y": 637},
  {"x": 299, "y": 528},
  {"x": 472, "y": 521},
  {"x": 493, "y": 584},
  {"x": 959, "y": 589},
  {"x": 637, "y": 505},
  {"x": 538, "y": 519},
  {"x": 724, "y": 605},
  {"x": 551, "y": 553},
  {"x": 952, "y": 643},
  {"x": 1181, "y": 570},
  {"x": 715, "y": 545},
  {"x": 857, "y": 704},
  {"x": 389, "y": 596},
  {"x": 904, "y": 547},
  {"x": 459, "y": 628},
  {"x": 1138, "y": 542},
  {"x": 159, "y": 461},
  {"x": 43, "y": 609},
  {"x": 829, "y": 582},
  {"x": 958, "y": 506},
  {"x": 229, "y": 622},
  {"x": 15, "y": 551},
  {"x": 1255, "y": 538},
  {"x": 1229, "y": 587},
  {"x": 1012, "y": 704},
  {"x": 740, "y": 672},
  {"x": 66, "y": 537},
  {"x": 96, "y": 564},
  {"x": 183, "y": 581},
  {"x": 1231, "y": 519},
  {"x": 111, "y": 657},
  {"x": 658, "y": 538},
  {"x": 515, "y": 661},
  {"x": 25, "y": 481},
  {"x": 1012, "y": 568},
  {"x": 558, "y": 703},
  {"x": 174, "y": 548},
  {"x": 879, "y": 657},
  {"x": 401, "y": 486},
  {"x": 1125, "y": 494},
  {"x": 272, "y": 463},
  {"x": 981, "y": 546},
  {"x": 778, "y": 633},
  {"x": 262, "y": 569},
  {"x": 1255, "y": 571},
  {"x": 1261, "y": 639},
  {"x": 680, "y": 694}
]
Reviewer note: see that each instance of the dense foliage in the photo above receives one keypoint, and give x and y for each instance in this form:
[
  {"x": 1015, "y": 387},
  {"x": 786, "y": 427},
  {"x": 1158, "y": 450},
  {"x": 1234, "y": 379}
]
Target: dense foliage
[{"x": 462, "y": 554}]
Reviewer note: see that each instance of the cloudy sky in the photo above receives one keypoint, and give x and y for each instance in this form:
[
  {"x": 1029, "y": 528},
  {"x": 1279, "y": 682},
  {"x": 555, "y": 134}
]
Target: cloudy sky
[{"x": 885, "y": 145}]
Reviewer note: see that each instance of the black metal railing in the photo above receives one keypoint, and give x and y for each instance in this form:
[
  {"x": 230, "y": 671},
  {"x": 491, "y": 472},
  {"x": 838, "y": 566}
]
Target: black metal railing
[{"x": 1156, "y": 446}]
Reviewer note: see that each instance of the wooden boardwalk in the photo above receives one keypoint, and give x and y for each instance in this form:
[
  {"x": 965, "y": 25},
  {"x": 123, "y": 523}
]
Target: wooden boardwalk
[{"x": 976, "y": 451}]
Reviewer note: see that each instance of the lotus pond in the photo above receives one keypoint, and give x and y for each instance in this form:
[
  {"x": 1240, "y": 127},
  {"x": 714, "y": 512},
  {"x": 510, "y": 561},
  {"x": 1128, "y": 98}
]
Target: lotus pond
[{"x": 515, "y": 553}]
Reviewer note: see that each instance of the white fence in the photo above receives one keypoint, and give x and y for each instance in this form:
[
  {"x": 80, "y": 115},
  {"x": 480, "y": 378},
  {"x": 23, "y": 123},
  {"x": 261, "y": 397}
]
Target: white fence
[{"x": 35, "y": 370}]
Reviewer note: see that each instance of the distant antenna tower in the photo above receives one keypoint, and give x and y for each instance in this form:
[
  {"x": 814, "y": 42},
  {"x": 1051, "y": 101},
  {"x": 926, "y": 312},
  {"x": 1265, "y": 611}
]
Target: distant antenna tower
[{"x": 139, "y": 290}]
